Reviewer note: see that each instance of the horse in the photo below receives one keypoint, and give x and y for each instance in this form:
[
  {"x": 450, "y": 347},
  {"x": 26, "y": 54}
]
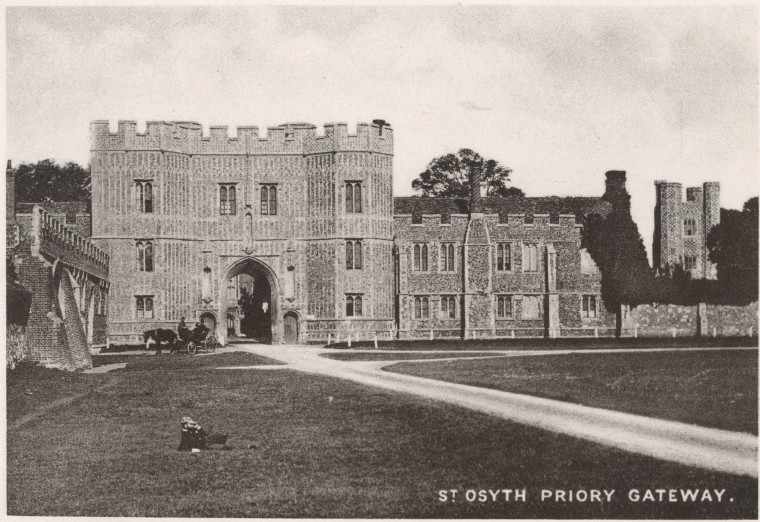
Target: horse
[{"x": 160, "y": 335}]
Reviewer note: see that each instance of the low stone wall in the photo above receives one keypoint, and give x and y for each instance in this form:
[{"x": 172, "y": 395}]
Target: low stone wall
[
  {"x": 732, "y": 320},
  {"x": 721, "y": 320},
  {"x": 16, "y": 346}
]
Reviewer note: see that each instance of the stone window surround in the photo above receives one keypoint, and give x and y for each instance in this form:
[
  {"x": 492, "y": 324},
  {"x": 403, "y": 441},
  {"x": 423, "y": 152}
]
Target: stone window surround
[
  {"x": 505, "y": 261},
  {"x": 421, "y": 307},
  {"x": 268, "y": 199},
  {"x": 142, "y": 303},
  {"x": 505, "y": 303},
  {"x": 689, "y": 227},
  {"x": 354, "y": 305},
  {"x": 449, "y": 306},
  {"x": 589, "y": 306},
  {"x": 447, "y": 258},
  {"x": 354, "y": 257},
  {"x": 531, "y": 261},
  {"x": 144, "y": 195},
  {"x": 353, "y": 197},
  {"x": 228, "y": 199},
  {"x": 421, "y": 257},
  {"x": 145, "y": 255}
]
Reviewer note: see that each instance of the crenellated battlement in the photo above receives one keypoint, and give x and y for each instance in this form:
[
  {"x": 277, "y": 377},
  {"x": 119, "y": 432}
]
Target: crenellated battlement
[
  {"x": 513, "y": 220},
  {"x": 46, "y": 229},
  {"x": 290, "y": 138}
]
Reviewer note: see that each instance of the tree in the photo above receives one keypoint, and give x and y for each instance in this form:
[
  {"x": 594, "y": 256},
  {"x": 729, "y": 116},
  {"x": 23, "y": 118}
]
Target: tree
[
  {"x": 733, "y": 249},
  {"x": 614, "y": 243},
  {"x": 46, "y": 180},
  {"x": 449, "y": 176}
]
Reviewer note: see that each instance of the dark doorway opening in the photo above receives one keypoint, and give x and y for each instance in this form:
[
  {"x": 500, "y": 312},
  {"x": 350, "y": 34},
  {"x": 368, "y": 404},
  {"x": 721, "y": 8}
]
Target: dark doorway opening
[{"x": 251, "y": 293}]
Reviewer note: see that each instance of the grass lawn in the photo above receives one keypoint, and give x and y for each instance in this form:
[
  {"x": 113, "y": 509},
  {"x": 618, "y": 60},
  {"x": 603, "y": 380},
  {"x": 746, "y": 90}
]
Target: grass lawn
[
  {"x": 28, "y": 388},
  {"x": 103, "y": 360},
  {"x": 399, "y": 356},
  {"x": 711, "y": 388},
  {"x": 183, "y": 361},
  {"x": 323, "y": 448},
  {"x": 553, "y": 344}
]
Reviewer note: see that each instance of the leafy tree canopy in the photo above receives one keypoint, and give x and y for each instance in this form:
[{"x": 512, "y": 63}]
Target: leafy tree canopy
[
  {"x": 733, "y": 248},
  {"x": 46, "y": 180},
  {"x": 449, "y": 176},
  {"x": 616, "y": 246}
]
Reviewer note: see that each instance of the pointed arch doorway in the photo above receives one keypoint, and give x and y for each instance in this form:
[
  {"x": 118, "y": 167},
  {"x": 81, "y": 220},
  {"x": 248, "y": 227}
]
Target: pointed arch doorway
[{"x": 253, "y": 295}]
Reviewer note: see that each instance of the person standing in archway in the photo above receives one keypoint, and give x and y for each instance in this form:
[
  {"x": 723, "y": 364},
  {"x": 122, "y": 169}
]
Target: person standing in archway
[{"x": 266, "y": 323}]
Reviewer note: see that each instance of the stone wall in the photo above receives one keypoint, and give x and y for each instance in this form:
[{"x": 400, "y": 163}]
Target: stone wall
[
  {"x": 732, "y": 320},
  {"x": 720, "y": 320}
]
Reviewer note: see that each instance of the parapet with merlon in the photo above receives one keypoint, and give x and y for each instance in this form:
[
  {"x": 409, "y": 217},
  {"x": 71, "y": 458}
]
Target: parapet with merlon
[
  {"x": 539, "y": 220},
  {"x": 289, "y": 138}
]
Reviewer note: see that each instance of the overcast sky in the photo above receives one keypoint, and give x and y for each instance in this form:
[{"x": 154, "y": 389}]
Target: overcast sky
[{"x": 559, "y": 94}]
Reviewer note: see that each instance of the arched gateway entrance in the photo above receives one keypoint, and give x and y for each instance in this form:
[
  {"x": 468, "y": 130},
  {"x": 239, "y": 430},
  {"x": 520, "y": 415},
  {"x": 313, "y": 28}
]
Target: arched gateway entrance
[{"x": 252, "y": 293}]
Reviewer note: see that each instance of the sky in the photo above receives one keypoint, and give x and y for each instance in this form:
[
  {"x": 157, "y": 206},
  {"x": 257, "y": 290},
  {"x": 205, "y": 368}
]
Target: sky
[{"x": 558, "y": 93}]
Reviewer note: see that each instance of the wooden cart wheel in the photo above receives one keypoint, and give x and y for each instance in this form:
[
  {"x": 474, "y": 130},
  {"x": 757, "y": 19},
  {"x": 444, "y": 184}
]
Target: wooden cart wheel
[{"x": 191, "y": 347}]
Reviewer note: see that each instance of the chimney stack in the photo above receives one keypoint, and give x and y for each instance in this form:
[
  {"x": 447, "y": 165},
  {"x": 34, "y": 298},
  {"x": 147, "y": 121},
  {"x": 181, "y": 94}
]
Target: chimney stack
[
  {"x": 615, "y": 182},
  {"x": 475, "y": 201}
]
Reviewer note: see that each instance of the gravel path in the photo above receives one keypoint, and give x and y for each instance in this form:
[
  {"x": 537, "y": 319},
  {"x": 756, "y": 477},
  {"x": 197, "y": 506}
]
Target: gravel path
[{"x": 709, "y": 448}]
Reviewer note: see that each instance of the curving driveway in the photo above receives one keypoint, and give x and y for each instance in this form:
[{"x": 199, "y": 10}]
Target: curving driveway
[{"x": 710, "y": 448}]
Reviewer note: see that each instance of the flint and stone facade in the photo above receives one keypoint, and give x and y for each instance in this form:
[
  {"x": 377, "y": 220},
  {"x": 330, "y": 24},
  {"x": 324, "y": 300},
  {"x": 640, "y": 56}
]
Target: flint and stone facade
[
  {"x": 314, "y": 217},
  {"x": 681, "y": 227},
  {"x": 290, "y": 224}
]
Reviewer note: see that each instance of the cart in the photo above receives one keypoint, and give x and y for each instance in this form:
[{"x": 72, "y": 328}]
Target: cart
[{"x": 197, "y": 339}]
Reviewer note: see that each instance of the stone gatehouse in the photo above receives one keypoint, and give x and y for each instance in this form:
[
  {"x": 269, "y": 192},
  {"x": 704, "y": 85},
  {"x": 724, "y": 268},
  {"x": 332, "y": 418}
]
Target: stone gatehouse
[{"x": 307, "y": 226}]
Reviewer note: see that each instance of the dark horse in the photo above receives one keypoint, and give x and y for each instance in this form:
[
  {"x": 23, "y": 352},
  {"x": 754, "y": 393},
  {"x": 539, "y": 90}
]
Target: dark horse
[{"x": 160, "y": 335}]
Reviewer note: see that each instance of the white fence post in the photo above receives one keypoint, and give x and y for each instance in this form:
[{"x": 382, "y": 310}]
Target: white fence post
[
  {"x": 431, "y": 334},
  {"x": 596, "y": 332},
  {"x": 635, "y": 331},
  {"x": 329, "y": 339},
  {"x": 349, "y": 339},
  {"x": 375, "y": 340},
  {"x": 715, "y": 331},
  {"x": 512, "y": 334},
  {"x": 674, "y": 331},
  {"x": 749, "y": 333}
]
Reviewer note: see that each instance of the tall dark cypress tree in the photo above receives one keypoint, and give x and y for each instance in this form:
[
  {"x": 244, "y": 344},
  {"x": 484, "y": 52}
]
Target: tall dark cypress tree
[{"x": 618, "y": 250}]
